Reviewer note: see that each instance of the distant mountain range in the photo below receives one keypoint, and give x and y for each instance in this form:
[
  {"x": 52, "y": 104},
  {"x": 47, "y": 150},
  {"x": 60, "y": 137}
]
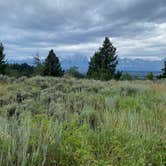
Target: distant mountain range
[
  {"x": 124, "y": 64},
  {"x": 140, "y": 65}
]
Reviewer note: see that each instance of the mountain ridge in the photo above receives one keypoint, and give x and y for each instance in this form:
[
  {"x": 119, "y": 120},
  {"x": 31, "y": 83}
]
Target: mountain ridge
[{"x": 125, "y": 64}]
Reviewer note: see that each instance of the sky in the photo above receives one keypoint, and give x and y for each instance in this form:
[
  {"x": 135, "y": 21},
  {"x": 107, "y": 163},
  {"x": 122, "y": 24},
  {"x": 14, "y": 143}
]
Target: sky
[{"x": 137, "y": 28}]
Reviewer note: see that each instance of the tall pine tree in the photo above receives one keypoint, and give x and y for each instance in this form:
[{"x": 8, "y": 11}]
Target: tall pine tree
[
  {"x": 164, "y": 70},
  {"x": 103, "y": 64},
  {"x": 2, "y": 60},
  {"x": 52, "y": 65}
]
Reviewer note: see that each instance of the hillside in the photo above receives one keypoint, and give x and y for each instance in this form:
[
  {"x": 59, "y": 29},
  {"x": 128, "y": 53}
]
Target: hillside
[{"x": 68, "y": 122}]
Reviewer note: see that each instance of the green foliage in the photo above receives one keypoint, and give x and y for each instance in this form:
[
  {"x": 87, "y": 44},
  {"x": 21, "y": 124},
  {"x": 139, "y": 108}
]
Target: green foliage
[
  {"x": 103, "y": 64},
  {"x": 164, "y": 72},
  {"x": 52, "y": 65},
  {"x": 19, "y": 70},
  {"x": 118, "y": 75},
  {"x": 39, "y": 66},
  {"x": 91, "y": 117},
  {"x": 2, "y": 60},
  {"x": 66, "y": 121},
  {"x": 127, "y": 76},
  {"x": 150, "y": 76},
  {"x": 73, "y": 71}
]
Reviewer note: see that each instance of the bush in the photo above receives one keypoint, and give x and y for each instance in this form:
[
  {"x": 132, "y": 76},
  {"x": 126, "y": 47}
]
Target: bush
[
  {"x": 118, "y": 75},
  {"x": 91, "y": 117},
  {"x": 73, "y": 71},
  {"x": 150, "y": 76},
  {"x": 127, "y": 76}
]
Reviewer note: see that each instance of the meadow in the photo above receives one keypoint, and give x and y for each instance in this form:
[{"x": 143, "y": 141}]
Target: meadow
[{"x": 46, "y": 121}]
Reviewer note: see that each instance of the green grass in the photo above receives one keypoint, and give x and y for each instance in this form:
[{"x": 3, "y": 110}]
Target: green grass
[{"x": 69, "y": 122}]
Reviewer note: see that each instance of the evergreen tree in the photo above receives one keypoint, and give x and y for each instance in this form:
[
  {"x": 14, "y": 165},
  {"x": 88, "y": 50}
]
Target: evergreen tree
[
  {"x": 150, "y": 76},
  {"x": 95, "y": 66},
  {"x": 39, "y": 65},
  {"x": 74, "y": 72},
  {"x": 103, "y": 64},
  {"x": 163, "y": 75},
  {"x": 37, "y": 60},
  {"x": 164, "y": 70},
  {"x": 2, "y": 60},
  {"x": 118, "y": 75},
  {"x": 52, "y": 65}
]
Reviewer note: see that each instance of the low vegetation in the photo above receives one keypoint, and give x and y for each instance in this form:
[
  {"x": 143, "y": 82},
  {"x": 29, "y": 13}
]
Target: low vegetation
[{"x": 46, "y": 121}]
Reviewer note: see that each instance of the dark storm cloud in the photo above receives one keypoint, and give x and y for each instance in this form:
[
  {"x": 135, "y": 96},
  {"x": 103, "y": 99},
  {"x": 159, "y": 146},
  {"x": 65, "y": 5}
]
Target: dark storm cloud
[{"x": 77, "y": 26}]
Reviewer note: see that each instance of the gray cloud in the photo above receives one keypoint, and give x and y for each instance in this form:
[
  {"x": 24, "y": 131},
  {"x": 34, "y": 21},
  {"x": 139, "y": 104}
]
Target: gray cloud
[{"x": 136, "y": 27}]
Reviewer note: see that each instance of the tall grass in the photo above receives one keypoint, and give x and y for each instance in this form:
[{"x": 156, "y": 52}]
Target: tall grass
[{"x": 82, "y": 122}]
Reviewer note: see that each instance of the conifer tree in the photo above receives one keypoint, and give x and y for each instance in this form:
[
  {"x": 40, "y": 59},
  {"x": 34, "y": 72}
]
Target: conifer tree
[
  {"x": 164, "y": 70},
  {"x": 2, "y": 60},
  {"x": 52, "y": 65},
  {"x": 39, "y": 65},
  {"x": 103, "y": 64},
  {"x": 37, "y": 60}
]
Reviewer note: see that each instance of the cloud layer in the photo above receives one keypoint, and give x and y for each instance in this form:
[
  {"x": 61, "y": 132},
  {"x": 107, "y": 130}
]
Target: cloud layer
[{"x": 136, "y": 27}]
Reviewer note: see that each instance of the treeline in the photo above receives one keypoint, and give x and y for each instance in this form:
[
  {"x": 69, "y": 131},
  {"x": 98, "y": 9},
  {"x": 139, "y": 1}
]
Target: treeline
[{"x": 102, "y": 66}]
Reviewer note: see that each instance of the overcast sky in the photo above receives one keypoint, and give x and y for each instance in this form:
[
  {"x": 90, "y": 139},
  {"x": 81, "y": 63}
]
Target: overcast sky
[{"x": 136, "y": 27}]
